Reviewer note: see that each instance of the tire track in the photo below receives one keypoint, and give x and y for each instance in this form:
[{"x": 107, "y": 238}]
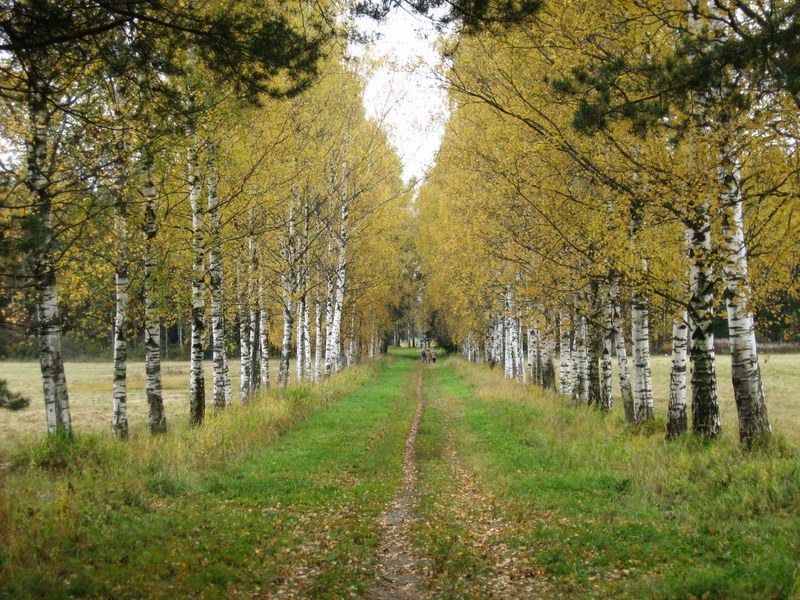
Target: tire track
[{"x": 401, "y": 570}]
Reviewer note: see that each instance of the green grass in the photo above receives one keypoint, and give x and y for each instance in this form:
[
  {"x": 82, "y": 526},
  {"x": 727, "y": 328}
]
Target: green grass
[
  {"x": 279, "y": 496},
  {"x": 521, "y": 495},
  {"x": 580, "y": 507}
]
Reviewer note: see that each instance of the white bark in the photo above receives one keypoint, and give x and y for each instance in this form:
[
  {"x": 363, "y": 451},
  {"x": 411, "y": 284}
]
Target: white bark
[
  {"x": 318, "y": 340},
  {"x": 222, "y": 383},
  {"x": 152, "y": 326},
  {"x": 606, "y": 396},
  {"x": 48, "y": 328},
  {"x": 581, "y": 362},
  {"x": 549, "y": 346},
  {"x": 565, "y": 374},
  {"x": 676, "y": 410},
  {"x": 119, "y": 419},
  {"x": 333, "y": 344},
  {"x": 245, "y": 355},
  {"x": 255, "y": 351},
  {"x": 626, "y": 389},
  {"x": 289, "y": 282},
  {"x": 309, "y": 371},
  {"x": 705, "y": 404},
  {"x": 352, "y": 349},
  {"x": 748, "y": 389},
  {"x": 522, "y": 375},
  {"x": 531, "y": 365},
  {"x": 197, "y": 400},
  {"x": 300, "y": 343},
  {"x": 252, "y": 286},
  {"x": 286, "y": 344},
  {"x": 263, "y": 337},
  {"x": 640, "y": 339}
]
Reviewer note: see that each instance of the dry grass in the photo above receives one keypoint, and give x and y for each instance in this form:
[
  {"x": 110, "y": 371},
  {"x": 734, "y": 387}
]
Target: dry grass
[
  {"x": 90, "y": 394},
  {"x": 781, "y": 377}
]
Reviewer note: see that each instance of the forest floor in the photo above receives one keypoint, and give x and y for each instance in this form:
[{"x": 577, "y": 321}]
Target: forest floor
[{"x": 402, "y": 480}]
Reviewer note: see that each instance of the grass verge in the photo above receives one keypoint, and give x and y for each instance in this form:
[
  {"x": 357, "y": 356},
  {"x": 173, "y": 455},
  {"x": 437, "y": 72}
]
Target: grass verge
[
  {"x": 574, "y": 505},
  {"x": 277, "y": 498}
]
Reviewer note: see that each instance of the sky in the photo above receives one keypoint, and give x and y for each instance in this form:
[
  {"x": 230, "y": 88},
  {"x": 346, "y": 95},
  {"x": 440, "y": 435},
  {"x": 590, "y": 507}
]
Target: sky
[{"x": 402, "y": 93}]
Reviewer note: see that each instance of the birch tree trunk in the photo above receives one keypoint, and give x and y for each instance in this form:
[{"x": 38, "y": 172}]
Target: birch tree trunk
[
  {"x": 286, "y": 345},
  {"x": 152, "y": 326},
  {"x": 539, "y": 355},
  {"x": 333, "y": 345},
  {"x": 318, "y": 340},
  {"x": 606, "y": 396},
  {"x": 252, "y": 289},
  {"x": 549, "y": 357},
  {"x": 300, "y": 367},
  {"x": 289, "y": 281},
  {"x": 531, "y": 366},
  {"x": 48, "y": 319},
  {"x": 748, "y": 389},
  {"x": 676, "y": 410},
  {"x": 642, "y": 380},
  {"x": 197, "y": 398},
  {"x": 255, "y": 350},
  {"x": 626, "y": 390},
  {"x": 309, "y": 374},
  {"x": 508, "y": 350},
  {"x": 263, "y": 336},
  {"x": 595, "y": 348},
  {"x": 119, "y": 419},
  {"x": 580, "y": 357},
  {"x": 523, "y": 372},
  {"x": 565, "y": 355},
  {"x": 705, "y": 404},
  {"x": 222, "y": 384},
  {"x": 245, "y": 355}
]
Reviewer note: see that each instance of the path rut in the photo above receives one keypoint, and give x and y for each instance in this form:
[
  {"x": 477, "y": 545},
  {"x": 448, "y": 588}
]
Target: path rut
[{"x": 401, "y": 575}]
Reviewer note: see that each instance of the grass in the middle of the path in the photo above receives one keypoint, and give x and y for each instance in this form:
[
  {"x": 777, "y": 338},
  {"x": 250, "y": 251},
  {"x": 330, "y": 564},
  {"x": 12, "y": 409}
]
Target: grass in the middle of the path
[{"x": 297, "y": 516}]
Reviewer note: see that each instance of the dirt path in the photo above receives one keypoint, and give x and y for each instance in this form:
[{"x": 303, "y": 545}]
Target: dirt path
[{"x": 401, "y": 574}]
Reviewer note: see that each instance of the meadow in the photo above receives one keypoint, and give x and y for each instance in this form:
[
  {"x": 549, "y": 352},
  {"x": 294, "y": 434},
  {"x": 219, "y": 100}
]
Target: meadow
[
  {"x": 90, "y": 387},
  {"x": 521, "y": 494},
  {"x": 90, "y": 391}
]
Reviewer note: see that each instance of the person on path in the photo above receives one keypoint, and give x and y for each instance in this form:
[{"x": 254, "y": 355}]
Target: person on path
[
  {"x": 428, "y": 356},
  {"x": 433, "y": 355},
  {"x": 422, "y": 355}
]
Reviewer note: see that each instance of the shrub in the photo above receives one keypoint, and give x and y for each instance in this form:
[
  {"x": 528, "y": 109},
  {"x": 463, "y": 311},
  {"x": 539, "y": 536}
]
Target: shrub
[{"x": 12, "y": 400}]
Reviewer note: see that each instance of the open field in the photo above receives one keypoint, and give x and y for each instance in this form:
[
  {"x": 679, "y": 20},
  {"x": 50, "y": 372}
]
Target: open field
[
  {"x": 781, "y": 377},
  {"x": 90, "y": 385},
  {"x": 90, "y": 394}
]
